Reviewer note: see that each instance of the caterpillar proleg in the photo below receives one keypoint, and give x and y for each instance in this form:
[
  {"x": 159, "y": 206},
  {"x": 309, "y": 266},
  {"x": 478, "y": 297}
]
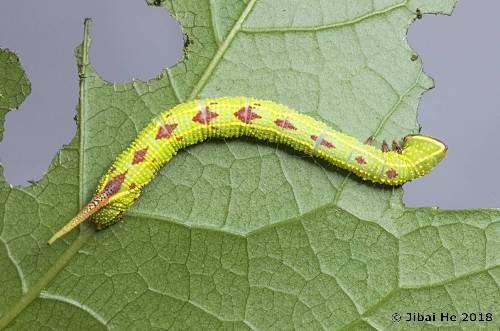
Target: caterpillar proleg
[{"x": 230, "y": 117}]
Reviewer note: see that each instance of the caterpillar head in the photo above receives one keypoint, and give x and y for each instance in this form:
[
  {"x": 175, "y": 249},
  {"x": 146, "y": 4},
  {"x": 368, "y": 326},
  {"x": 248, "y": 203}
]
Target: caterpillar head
[{"x": 424, "y": 151}]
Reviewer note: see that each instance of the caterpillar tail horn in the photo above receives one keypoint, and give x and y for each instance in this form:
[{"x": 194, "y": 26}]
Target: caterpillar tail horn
[{"x": 97, "y": 202}]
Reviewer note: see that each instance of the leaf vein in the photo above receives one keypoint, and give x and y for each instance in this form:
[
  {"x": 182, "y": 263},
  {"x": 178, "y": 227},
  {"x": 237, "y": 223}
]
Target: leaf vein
[{"x": 327, "y": 26}]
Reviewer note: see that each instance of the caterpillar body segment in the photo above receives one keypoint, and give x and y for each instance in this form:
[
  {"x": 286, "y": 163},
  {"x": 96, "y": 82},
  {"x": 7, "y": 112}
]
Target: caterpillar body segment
[{"x": 231, "y": 117}]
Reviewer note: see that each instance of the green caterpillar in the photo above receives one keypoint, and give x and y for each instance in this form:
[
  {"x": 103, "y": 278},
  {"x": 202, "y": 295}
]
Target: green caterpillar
[{"x": 229, "y": 117}]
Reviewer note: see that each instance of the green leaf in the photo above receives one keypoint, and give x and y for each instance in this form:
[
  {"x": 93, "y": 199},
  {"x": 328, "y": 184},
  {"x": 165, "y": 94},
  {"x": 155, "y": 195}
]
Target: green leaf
[
  {"x": 14, "y": 85},
  {"x": 245, "y": 235}
]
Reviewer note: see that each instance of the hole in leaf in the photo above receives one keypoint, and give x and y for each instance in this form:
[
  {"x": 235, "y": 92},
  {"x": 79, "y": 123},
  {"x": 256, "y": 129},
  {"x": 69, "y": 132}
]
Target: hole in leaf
[{"x": 129, "y": 40}]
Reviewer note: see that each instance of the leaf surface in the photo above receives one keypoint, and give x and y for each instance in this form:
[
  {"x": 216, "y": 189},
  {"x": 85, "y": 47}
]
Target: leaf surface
[
  {"x": 14, "y": 85},
  {"x": 245, "y": 235}
]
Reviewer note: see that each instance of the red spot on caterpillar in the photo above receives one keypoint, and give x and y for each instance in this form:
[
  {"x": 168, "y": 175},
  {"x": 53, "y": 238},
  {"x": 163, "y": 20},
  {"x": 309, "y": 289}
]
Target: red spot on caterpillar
[
  {"x": 246, "y": 115},
  {"x": 391, "y": 173},
  {"x": 165, "y": 131},
  {"x": 284, "y": 124},
  {"x": 204, "y": 117},
  {"x": 139, "y": 155},
  {"x": 132, "y": 186},
  {"x": 323, "y": 142},
  {"x": 115, "y": 184},
  {"x": 360, "y": 160}
]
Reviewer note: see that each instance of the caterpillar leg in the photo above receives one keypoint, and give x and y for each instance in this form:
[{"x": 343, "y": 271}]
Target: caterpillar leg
[
  {"x": 396, "y": 147},
  {"x": 385, "y": 147}
]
